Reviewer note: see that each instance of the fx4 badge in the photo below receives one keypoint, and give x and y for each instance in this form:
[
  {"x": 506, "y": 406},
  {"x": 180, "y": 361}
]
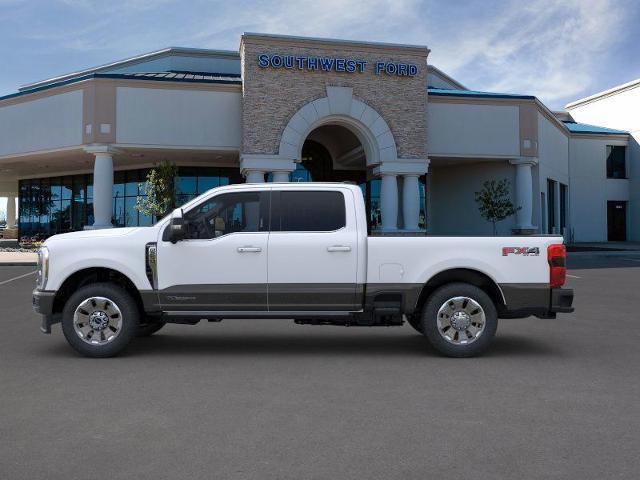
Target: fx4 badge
[{"x": 526, "y": 251}]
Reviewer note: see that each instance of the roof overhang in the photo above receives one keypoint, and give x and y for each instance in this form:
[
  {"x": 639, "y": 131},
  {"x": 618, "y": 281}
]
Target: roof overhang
[{"x": 223, "y": 81}]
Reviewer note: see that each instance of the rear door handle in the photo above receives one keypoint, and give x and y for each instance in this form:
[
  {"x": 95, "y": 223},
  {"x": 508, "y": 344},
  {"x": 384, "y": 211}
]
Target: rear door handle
[
  {"x": 339, "y": 248},
  {"x": 249, "y": 249}
]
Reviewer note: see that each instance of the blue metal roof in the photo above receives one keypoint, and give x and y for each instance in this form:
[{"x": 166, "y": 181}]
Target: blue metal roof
[
  {"x": 575, "y": 127},
  {"x": 179, "y": 75},
  {"x": 444, "y": 92},
  {"x": 188, "y": 77}
]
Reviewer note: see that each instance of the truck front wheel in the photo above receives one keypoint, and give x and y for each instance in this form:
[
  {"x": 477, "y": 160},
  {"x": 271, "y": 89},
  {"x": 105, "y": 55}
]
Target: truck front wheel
[
  {"x": 100, "y": 319},
  {"x": 148, "y": 327},
  {"x": 459, "y": 320}
]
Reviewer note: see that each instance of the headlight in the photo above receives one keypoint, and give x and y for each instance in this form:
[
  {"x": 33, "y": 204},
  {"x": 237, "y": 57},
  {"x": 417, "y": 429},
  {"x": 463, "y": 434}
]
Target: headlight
[{"x": 43, "y": 267}]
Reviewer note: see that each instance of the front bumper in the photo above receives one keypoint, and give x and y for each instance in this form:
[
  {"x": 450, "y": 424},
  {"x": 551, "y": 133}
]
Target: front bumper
[{"x": 42, "y": 302}]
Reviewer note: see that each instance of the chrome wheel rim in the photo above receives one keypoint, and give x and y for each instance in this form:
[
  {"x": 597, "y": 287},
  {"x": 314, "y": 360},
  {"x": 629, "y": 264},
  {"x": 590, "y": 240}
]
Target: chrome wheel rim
[
  {"x": 97, "y": 320},
  {"x": 461, "y": 320}
]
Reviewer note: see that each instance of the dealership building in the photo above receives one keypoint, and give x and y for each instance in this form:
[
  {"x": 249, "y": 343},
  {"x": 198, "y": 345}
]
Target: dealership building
[{"x": 75, "y": 149}]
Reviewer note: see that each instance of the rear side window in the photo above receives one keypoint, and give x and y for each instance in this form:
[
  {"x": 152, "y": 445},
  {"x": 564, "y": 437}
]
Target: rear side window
[{"x": 308, "y": 211}]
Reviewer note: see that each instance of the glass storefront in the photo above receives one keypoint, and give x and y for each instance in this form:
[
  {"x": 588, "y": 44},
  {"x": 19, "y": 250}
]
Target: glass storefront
[{"x": 64, "y": 204}]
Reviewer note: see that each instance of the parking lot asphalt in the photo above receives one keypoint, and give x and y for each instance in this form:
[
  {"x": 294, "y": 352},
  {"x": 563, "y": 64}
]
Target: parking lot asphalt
[{"x": 252, "y": 399}]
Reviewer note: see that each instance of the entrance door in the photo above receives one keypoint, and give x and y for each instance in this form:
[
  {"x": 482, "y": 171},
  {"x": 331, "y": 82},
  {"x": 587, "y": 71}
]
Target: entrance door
[
  {"x": 222, "y": 263},
  {"x": 617, "y": 221},
  {"x": 313, "y": 251}
]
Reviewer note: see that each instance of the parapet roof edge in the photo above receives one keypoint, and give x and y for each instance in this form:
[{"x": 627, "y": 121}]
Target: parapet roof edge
[
  {"x": 604, "y": 93},
  {"x": 337, "y": 41}
]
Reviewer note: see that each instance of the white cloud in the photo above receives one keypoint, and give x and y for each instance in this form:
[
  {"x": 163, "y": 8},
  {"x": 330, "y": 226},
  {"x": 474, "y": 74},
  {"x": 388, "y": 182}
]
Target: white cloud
[
  {"x": 349, "y": 19},
  {"x": 544, "y": 47}
]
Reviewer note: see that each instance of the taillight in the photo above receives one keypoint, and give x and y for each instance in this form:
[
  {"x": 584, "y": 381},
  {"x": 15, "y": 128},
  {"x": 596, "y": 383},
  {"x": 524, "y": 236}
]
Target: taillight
[{"x": 557, "y": 256}]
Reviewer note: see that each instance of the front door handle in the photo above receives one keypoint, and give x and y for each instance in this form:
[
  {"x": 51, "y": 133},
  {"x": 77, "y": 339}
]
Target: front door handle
[
  {"x": 249, "y": 249},
  {"x": 339, "y": 248}
]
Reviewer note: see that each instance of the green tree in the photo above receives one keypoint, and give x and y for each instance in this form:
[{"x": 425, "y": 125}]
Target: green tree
[
  {"x": 160, "y": 191},
  {"x": 494, "y": 202}
]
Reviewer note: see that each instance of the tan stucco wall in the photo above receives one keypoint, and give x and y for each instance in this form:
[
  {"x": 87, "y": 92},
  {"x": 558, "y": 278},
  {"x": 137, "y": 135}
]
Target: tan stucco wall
[{"x": 272, "y": 96}]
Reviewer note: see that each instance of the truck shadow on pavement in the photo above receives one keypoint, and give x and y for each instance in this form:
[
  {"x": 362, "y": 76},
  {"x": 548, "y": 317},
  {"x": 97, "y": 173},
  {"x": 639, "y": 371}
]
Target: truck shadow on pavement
[{"x": 260, "y": 345}]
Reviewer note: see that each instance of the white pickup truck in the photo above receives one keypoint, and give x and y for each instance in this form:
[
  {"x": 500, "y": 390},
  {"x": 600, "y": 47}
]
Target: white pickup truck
[{"x": 297, "y": 251}]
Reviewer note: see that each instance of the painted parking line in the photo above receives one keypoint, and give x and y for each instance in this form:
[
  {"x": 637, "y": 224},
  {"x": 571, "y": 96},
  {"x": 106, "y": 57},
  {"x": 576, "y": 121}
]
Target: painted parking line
[
  {"x": 18, "y": 277},
  {"x": 573, "y": 276}
]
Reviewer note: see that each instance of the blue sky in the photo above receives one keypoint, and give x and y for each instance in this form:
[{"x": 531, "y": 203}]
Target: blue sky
[{"x": 557, "y": 50}]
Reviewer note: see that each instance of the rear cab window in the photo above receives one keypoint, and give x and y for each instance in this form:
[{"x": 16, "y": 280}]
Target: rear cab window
[{"x": 307, "y": 211}]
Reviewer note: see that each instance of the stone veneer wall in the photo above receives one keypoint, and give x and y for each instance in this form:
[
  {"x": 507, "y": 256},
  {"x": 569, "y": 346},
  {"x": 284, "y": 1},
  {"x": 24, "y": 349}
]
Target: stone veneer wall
[{"x": 272, "y": 96}]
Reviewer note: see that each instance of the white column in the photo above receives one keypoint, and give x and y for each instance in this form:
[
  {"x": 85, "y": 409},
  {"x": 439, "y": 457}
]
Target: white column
[
  {"x": 254, "y": 165},
  {"x": 411, "y": 202},
  {"x": 102, "y": 185},
  {"x": 254, "y": 176},
  {"x": 280, "y": 176},
  {"x": 389, "y": 202},
  {"x": 524, "y": 193},
  {"x": 410, "y": 169},
  {"x": 103, "y": 190},
  {"x": 11, "y": 212}
]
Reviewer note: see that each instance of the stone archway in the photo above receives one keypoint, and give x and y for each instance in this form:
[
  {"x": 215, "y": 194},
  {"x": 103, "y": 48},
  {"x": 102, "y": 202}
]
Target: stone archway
[{"x": 339, "y": 107}]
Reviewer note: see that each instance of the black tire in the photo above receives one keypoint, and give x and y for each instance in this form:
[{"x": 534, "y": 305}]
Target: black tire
[
  {"x": 430, "y": 320},
  {"x": 129, "y": 317},
  {"x": 148, "y": 327},
  {"x": 416, "y": 322}
]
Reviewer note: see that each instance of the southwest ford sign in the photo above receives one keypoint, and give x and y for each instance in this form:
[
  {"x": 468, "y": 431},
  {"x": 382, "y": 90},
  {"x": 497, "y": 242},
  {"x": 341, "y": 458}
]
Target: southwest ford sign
[{"x": 334, "y": 64}]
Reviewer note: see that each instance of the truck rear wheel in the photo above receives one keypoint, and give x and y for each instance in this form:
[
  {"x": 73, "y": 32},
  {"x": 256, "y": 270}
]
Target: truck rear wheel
[
  {"x": 99, "y": 320},
  {"x": 459, "y": 320}
]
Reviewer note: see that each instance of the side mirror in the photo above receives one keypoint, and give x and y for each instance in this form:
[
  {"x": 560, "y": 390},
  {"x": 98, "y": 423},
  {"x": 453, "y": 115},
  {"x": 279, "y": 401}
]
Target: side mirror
[{"x": 177, "y": 227}]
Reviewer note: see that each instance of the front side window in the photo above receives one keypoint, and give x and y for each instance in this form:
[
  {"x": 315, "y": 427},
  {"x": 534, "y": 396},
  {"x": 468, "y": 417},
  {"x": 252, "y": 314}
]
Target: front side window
[
  {"x": 228, "y": 213},
  {"x": 309, "y": 211},
  {"x": 616, "y": 165}
]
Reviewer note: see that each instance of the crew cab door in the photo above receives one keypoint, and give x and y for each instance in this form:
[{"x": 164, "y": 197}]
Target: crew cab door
[
  {"x": 313, "y": 256},
  {"x": 221, "y": 265}
]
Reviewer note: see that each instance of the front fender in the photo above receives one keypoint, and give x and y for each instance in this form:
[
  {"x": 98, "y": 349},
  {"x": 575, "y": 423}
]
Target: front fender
[{"x": 141, "y": 283}]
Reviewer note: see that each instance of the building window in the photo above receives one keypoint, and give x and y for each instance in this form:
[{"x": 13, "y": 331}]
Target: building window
[
  {"x": 543, "y": 212},
  {"x": 551, "y": 205},
  {"x": 616, "y": 161},
  {"x": 564, "y": 190}
]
